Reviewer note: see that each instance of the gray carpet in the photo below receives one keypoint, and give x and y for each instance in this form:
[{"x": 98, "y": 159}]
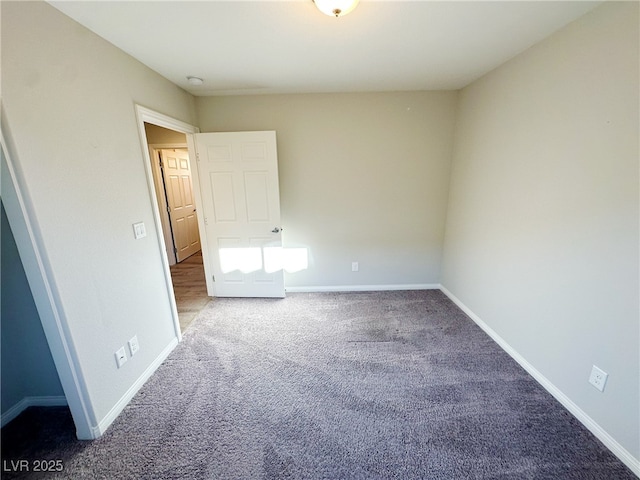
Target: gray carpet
[{"x": 329, "y": 386}]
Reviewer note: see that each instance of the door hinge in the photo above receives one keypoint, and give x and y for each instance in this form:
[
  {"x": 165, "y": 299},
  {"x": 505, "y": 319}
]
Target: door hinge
[
  {"x": 160, "y": 162},
  {"x": 213, "y": 277},
  {"x": 175, "y": 250},
  {"x": 197, "y": 157},
  {"x": 206, "y": 222}
]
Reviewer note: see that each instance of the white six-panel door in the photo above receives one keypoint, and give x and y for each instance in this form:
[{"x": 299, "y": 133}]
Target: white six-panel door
[
  {"x": 238, "y": 179},
  {"x": 180, "y": 199}
]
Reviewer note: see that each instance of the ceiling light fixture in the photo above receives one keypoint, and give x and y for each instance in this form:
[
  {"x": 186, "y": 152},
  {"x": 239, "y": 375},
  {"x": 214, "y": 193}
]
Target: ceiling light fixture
[
  {"x": 195, "y": 81},
  {"x": 336, "y": 8}
]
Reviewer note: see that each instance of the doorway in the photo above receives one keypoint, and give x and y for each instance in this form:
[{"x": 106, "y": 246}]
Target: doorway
[
  {"x": 170, "y": 167},
  {"x": 175, "y": 176},
  {"x": 173, "y": 185}
]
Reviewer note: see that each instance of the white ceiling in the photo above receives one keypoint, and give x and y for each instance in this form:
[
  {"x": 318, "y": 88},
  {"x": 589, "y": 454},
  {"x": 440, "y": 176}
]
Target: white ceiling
[{"x": 248, "y": 47}]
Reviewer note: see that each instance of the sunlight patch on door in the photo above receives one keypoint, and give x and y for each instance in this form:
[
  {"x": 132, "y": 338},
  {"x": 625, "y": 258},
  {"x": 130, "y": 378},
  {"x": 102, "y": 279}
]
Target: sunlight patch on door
[
  {"x": 272, "y": 259},
  {"x": 247, "y": 259}
]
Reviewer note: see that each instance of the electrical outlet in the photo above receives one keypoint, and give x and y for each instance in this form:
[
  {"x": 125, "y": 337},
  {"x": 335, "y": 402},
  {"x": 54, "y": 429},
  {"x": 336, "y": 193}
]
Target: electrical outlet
[
  {"x": 598, "y": 378},
  {"x": 121, "y": 357},
  {"x": 354, "y": 266},
  {"x": 133, "y": 345}
]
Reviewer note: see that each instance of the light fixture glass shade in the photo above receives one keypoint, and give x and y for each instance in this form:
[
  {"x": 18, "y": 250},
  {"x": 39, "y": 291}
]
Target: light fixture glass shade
[
  {"x": 196, "y": 81},
  {"x": 336, "y": 8}
]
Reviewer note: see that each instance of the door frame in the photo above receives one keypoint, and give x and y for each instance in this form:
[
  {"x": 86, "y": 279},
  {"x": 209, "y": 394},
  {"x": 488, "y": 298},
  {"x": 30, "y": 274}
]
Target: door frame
[
  {"x": 202, "y": 227},
  {"x": 146, "y": 115}
]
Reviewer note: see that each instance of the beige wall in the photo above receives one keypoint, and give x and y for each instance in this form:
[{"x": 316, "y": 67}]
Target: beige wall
[
  {"x": 363, "y": 177},
  {"x": 68, "y": 98},
  {"x": 542, "y": 230}
]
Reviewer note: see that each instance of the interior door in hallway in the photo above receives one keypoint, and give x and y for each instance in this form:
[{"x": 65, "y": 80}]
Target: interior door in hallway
[
  {"x": 176, "y": 171},
  {"x": 238, "y": 179}
]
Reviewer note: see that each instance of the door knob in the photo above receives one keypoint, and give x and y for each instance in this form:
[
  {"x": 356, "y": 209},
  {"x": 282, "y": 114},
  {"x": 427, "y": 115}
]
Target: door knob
[{"x": 276, "y": 230}]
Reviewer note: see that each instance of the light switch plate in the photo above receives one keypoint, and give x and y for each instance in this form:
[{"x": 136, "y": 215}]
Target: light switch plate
[{"x": 139, "y": 231}]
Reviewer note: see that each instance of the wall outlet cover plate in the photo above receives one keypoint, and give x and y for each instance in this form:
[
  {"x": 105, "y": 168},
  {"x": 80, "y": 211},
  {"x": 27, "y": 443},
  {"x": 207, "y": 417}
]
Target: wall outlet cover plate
[
  {"x": 134, "y": 346},
  {"x": 121, "y": 357},
  {"x": 598, "y": 378}
]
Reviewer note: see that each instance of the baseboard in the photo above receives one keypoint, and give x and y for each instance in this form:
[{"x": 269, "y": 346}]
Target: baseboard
[
  {"x": 26, "y": 402},
  {"x": 362, "y": 288},
  {"x": 104, "y": 424},
  {"x": 618, "y": 450}
]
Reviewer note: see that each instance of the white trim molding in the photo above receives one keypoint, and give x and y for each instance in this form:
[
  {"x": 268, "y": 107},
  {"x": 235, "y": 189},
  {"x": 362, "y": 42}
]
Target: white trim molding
[
  {"x": 147, "y": 115},
  {"x": 101, "y": 428},
  {"x": 131, "y": 392},
  {"x": 26, "y": 402},
  {"x": 601, "y": 434},
  {"x": 43, "y": 288},
  {"x": 361, "y": 288}
]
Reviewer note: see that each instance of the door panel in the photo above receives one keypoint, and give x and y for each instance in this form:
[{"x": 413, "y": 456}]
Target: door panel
[
  {"x": 238, "y": 175},
  {"x": 223, "y": 197},
  {"x": 256, "y": 197}
]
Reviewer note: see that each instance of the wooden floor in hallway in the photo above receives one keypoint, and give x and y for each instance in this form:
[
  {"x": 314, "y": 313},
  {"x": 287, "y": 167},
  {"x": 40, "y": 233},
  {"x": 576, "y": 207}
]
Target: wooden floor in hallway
[{"x": 189, "y": 288}]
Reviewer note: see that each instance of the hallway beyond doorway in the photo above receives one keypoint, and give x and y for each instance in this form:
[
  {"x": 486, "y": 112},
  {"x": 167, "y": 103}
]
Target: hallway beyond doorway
[{"x": 189, "y": 288}]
